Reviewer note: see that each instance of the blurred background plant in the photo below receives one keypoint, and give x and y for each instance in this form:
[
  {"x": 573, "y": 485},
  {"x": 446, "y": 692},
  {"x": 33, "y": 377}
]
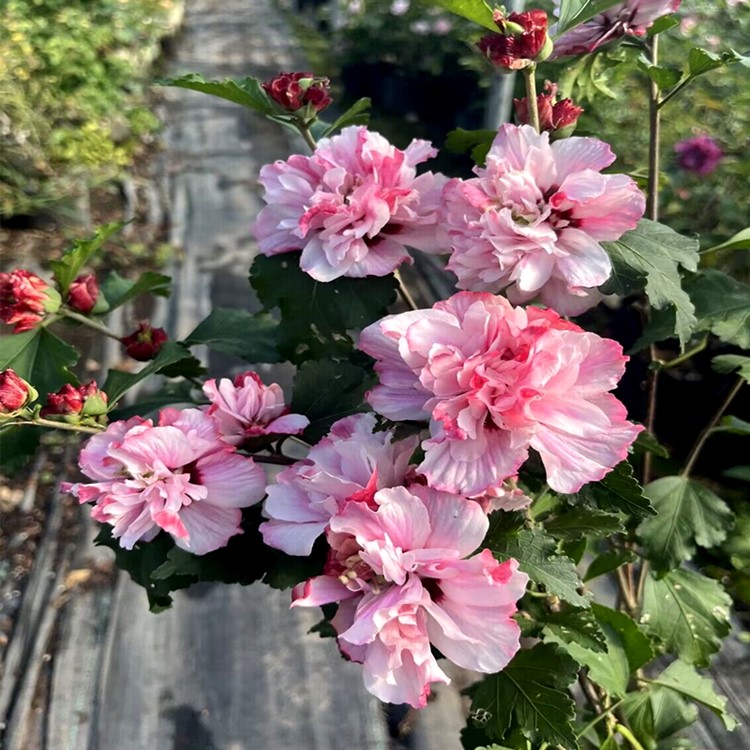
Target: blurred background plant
[{"x": 72, "y": 86}]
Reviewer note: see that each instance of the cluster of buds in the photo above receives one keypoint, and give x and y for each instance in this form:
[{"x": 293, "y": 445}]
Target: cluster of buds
[
  {"x": 302, "y": 93},
  {"x": 145, "y": 342},
  {"x": 557, "y": 118},
  {"x": 522, "y": 41},
  {"x": 76, "y": 404},
  {"x": 15, "y": 394},
  {"x": 25, "y": 299}
]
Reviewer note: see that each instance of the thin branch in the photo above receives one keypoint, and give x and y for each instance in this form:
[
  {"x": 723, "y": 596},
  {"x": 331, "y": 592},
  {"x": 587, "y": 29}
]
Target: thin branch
[
  {"x": 629, "y": 736},
  {"x": 89, "y": 322},
  {"x": 405, "y": 293},
  {"x": 41, "y": 422},
  {"x": 597, "y": 719},
  {"x": 529, "y": 77},
  {"x": 693, "y": 457},
  {"x": 307, "y": 135}
]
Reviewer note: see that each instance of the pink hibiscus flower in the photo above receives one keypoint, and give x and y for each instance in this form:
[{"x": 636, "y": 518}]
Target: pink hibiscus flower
[
  {"x": 633, "y": 17},
  {"x": 352, "y": 207},
  {"x": 398, "y": 571},
  {"x": 496, "y": 380},
  {"x": 531, "y": 221},
  {"x": 351, "y": 463},
  {"x": 179, "y": 476},
  {"x": 246, "y": 408}
]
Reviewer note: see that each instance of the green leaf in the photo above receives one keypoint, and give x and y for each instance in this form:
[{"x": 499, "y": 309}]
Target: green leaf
[
  {"x": 647, "y": 442},
  {"x": 578, "y": 522},
  {"x": 722, "y": 306},
  {"x": 536, "y": 556},
  {"x": 663, "y": 24},
  {"x": 729, "y": 363},
  {"x": 739, "y": 241},
  {"x": 607, "y": 562},
  {"x": 664, "y": 77},
  {"x": 734, "y": 426},
  {"x": 79, "y": 254},
  {"x": 618, "y": 491},
  {"x": 316, "y": 317},
  {"x": 575, "y": 12},
  {"x": 687, "y": 612},
  {"x": 627, "y": 649},
  {"x": 656, "y": 715},
  {"x": 357, "y": 114},
  {"x": 684, "y": 679},
  {"x": 687, "y": 515},
  {"x": 738, "y": 472},
  {"x": 251, "y": 337},
  {"x": 651, "y": 256},
  {"x": 532, "y": 691},
  {"x": 475, "y": 10},
  {"x": 118, "y": 290},
  {"x": 573, "y": 625},
  {"x": 39, "y": 357},
  {"x": 475, "y": 142},
  {"x": 326, "y": 391},
  {"x": 244, "y": 91},
  {"x": 702, "y": 61},
  {"x": 119, "y": 382},
  {"x": 172, "y": 394}
]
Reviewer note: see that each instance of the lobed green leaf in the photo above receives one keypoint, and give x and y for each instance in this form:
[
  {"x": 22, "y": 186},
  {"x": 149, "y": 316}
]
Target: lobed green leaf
[
  {"x": 249, "y": 336},
  {"x": 477, "y": 11},
  {"x": 650, "y": 256},
  {"x": 79, "y": 254},
  {"x": 687, "y": 612},
  {"x": 687, "y": 515},
  {"x": 536, "y": 556},
  {"x": 244, "y": 91},
  {"x": 119, "y": 382},
  {"x": 357, "y": 114},
  {"x": 683, "y": 678},
  {"x": 532, "y": 691},
  {"x": 316, "y": 317},
  {"x": 729, "y": 363},
  {"x": 325, "y": 391},
  {"x": 572, "y": 13},
  {"x": 118, "y": 290},
  {"x": 39, "y": 357}
]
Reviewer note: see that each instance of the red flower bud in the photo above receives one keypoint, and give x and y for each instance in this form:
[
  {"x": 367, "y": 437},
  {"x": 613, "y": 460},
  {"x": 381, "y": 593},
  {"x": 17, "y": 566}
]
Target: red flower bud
[
  {"x": 15, "y": 393},
  {"x": 68, "y": 400},
  {"x": 522, "y": 40},
  {"x": 145, "y": 342},
  {"x": 83, "y": 293},
  {"x": 25, "y": 299},
  {"x": 292, "y": 91},
  {"x": 75, "y": 402},
  {"x": 558, "y": 118}
]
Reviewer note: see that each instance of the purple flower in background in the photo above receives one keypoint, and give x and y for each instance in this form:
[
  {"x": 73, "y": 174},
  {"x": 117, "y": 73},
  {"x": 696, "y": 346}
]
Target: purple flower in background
[
  {"x": 700, "y": 155},
  {"x": 632, "y": 17}
]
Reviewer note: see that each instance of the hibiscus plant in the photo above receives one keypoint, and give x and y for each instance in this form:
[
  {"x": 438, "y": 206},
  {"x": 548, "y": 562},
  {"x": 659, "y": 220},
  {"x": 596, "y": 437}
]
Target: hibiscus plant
[{"x": 453, "y": 479}]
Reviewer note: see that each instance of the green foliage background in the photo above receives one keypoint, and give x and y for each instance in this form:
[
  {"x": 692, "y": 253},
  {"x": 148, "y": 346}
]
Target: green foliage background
[{"x": 72, "y": 90}]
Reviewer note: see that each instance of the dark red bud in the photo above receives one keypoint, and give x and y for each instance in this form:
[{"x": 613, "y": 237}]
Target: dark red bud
[
  {"x": 145, "y": 342},
  {"x": 83, "y": 293},
  {"x": 292, "y": 91},
  {"x": 522, "y": 41}
]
